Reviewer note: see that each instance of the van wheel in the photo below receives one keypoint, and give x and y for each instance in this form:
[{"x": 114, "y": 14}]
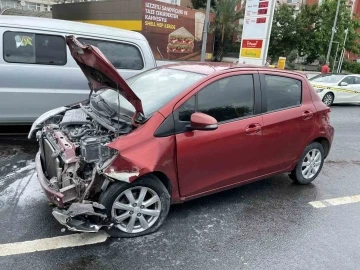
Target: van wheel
[
  {"x": 138, "y": 208},
  {"x": 328, "y": 99},
  {"x": 309, "y": 164}
]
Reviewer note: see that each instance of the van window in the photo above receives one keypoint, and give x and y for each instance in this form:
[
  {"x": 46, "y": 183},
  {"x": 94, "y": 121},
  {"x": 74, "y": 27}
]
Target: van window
[
  {"x": 121, "y": 55},
  {"x": 34, "y": 48}
]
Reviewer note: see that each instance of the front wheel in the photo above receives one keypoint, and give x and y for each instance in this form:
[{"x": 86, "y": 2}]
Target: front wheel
[
  {"x": 309, "y": 164},
  {"x": 328, "y": 99},
  {"x": 138, "y": 208}
]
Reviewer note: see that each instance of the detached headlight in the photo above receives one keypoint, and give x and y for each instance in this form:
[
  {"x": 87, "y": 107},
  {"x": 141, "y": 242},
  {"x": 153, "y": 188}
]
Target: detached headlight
[{"x": 319, "y": 90}]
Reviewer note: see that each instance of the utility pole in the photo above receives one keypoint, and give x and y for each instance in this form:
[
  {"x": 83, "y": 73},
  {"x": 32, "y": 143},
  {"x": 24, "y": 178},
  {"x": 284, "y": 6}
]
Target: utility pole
[
  {"x": 206, "y": 26},
  {"x": 333, "y": 32},
  {"x": 342, "y": 52},
  {"x": 346, "y": 34}
]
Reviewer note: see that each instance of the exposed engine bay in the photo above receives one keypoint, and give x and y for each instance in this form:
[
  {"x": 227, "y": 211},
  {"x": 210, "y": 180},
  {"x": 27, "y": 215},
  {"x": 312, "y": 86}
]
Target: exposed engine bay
[
  {"x": 74, "y": 155},
  {"x": 74, "y": 152}
]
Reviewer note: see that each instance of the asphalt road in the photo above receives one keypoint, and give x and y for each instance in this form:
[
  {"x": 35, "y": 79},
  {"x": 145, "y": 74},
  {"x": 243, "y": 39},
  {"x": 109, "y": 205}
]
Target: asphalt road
[{"x": 265, "y": 225}]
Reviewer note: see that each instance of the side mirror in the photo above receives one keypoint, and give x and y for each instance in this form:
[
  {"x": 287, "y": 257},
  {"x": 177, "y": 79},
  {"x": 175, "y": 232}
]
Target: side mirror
[
  {"x": 202, "y": 121},
  {"x": 343, "y": 84}
]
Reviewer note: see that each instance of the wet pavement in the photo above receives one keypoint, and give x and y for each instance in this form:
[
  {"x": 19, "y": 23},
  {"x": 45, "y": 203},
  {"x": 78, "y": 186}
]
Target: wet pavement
[{"x": 265, "y": 225}]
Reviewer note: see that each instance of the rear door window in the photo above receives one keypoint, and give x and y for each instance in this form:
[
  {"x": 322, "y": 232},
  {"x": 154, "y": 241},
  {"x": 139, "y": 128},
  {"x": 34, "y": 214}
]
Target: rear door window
[
  {"x": 282, "y": 92},
  {"x": 121, "y": 55},
  {"x": 349, "y": 80},
  {"x": 33, "y": 48}
]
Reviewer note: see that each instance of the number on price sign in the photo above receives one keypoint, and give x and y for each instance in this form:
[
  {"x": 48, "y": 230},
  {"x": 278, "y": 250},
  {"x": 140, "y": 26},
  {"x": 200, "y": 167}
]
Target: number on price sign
[
  {"x": 263, "y": 4},
  {"x": 262, "y": 11},
  {"x": 261, "y": 20}
]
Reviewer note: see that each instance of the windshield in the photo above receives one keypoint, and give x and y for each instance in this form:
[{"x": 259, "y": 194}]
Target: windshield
[
  {"x": 327, "y": 78},
  {"x": 155, "y": 88}
]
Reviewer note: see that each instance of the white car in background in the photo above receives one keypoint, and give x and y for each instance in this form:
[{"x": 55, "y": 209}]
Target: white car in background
[{"x": 337, "y": 88}]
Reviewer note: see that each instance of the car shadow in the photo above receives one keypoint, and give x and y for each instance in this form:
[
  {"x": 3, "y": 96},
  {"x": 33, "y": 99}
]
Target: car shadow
[{"x": 266, "y": 192}]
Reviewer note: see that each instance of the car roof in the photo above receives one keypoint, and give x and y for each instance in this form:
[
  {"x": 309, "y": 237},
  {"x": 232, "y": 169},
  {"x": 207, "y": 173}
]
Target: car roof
[
  {"x": 331, "y": 74},
  {"x": 208, "y": 68},
  {"x": 70, "y": 27}
]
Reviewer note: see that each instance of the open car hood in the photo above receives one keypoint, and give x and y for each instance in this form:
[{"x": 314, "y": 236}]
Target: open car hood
[{"x": 100, "y": 72}]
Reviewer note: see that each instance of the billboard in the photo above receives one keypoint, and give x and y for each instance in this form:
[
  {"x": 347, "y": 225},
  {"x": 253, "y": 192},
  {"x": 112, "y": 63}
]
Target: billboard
[{"x": 173, "y": 32}]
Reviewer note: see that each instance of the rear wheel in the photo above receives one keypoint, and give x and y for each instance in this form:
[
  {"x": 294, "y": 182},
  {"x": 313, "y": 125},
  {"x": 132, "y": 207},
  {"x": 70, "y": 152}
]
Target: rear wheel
[
  {"x": 309, "y": 164},
  {"x": 328, "y": 99},
  {"x": 137, "y": 208}
]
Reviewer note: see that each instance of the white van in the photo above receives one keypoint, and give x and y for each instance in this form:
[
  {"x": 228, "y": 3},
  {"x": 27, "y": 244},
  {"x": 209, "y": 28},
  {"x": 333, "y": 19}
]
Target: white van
[{"x": 37, "y": 72}]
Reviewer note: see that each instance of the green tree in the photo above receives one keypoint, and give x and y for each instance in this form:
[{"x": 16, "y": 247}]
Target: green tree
[
  {"x": 283, "y": 34},
  {"x": 307, "y": 43},
  {"x": 225, "y": 24},
  {"x": 309, "y": 31}
]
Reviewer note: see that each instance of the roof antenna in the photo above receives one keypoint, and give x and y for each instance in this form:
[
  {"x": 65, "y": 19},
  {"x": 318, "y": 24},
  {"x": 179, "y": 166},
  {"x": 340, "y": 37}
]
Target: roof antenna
[{"x": 119, "y": 110}]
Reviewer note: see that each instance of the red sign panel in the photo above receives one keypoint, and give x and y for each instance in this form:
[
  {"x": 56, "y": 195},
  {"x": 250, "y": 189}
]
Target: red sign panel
[
  {"x": 263, "y": 4},
  {"x": 261, "y": 20},
  {"x": 252, "y": 43},
  {"x": 262, "y": 11}
]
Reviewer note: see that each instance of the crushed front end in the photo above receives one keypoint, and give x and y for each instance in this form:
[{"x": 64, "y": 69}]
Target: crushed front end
[{"x": 72, "y": 155}]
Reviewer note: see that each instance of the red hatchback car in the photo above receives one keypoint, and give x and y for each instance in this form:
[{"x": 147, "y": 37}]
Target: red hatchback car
[{"x": 171, "y": 134}]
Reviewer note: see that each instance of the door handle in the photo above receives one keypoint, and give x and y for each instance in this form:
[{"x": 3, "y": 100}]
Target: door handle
[
  {"x": 252, "y": 129},
  {"x": 307, "y": 115}
]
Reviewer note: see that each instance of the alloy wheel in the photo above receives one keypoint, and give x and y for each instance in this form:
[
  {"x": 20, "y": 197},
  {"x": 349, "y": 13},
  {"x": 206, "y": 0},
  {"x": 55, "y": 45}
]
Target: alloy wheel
[
  {"x": 136, "y": 209},
  {"x": 328, "y": 99},
  {"x": 311, "y": 163}
]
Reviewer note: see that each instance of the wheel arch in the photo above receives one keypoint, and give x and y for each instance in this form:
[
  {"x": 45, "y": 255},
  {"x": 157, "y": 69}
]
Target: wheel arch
[
  {"x": 163, "y": 178},
  {"x": 156, "y": 175},
  {"x": 331, "y": 93},
  {"x": 325, "y": 144}
]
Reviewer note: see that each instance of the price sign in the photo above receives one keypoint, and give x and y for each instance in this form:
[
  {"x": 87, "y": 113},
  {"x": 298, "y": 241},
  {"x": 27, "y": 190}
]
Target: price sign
[
  {"x": 261, "y": 20},
  {"x": 256, "y": 35},
  {"x": 262, "y": 11},
  {"x": 263, "y": 4}
]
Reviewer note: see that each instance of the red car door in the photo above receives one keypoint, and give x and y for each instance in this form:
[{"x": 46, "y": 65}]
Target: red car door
[
  {"x": 287, "y": 114},
  {"x": 210, "y": 160}
]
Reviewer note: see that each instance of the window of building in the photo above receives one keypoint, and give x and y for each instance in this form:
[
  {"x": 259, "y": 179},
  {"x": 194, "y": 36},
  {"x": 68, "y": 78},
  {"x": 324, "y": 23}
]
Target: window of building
[
  {"x": 33, "y": 6},
  {"x": 47, "y": 8},
  {"x": 34, "y": 48},
  {"x": 10, "y": 4},
  {"x": 282, "y": 92},
  {"x": 121, "y": 55}
]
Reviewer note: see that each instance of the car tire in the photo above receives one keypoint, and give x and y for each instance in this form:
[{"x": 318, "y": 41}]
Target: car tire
[
  {"x": 118, "y": 206},
  {"x": 309, "y": 165},
  {"x": 328, "y": 99}
]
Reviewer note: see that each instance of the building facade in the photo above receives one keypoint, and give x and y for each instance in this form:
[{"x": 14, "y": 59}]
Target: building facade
[{"x": 34, "y": 5}]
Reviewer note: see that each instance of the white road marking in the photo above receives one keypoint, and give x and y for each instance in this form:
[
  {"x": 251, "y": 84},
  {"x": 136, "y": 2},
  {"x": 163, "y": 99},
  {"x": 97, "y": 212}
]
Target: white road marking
[
  {"x": 335, "y": 201},
  {"x": 317, "y": 204},
  {"x": 72, "y": 240}
]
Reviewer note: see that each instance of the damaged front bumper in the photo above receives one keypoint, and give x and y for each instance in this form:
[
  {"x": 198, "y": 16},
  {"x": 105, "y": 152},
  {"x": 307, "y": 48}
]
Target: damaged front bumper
[
  {"x": 79, "y": 217},
  {"x": 82, "y": 217}
]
